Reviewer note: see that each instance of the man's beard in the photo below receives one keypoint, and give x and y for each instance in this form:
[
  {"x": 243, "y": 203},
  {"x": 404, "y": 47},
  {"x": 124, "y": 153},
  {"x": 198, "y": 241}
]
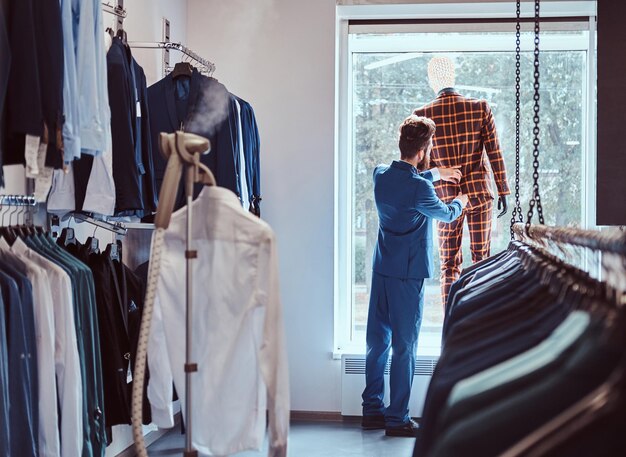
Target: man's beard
[{"x": 424, "y": 164}]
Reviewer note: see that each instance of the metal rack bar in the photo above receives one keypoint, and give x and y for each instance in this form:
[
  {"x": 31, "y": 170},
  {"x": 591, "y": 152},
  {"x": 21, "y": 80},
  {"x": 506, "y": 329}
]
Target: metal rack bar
[
  {"x": 208, "y": 65},
  {"x": 18, "y": 200},
  {"x": 116, "y": 227},
  {"x": 607, "y": 241},
  {"x": 115, "y": 10}
]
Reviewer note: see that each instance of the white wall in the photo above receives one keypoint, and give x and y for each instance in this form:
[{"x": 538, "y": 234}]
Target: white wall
[
  {"x": 279, "y": 56},
  {"x": 144, "y": 22}
]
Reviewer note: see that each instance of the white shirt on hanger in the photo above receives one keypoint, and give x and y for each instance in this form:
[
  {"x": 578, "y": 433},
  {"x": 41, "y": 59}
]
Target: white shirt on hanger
[
  {"x": 44, "y": 337},
  {"x": 238, "y": 334},
  {"x": 66, "y": 358},
  {"x": 62, "y": 198}
]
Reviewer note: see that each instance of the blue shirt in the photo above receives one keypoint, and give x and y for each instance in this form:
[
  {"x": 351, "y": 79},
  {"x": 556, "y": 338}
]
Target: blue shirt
[{"x": 406, "y": 202}]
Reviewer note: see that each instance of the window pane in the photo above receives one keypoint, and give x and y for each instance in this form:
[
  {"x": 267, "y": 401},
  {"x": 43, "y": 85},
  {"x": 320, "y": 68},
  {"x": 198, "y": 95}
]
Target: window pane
[{"x": 388, "y": 86}]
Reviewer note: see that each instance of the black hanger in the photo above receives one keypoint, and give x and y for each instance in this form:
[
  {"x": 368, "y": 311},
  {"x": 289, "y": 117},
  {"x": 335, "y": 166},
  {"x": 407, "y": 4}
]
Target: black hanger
[
  {"x": 182, "y": 69},
  {"x": 9, "y": 234},
  {"x": 67, "y": 236},
  {"x": 119, "y": 249},
  {"x": 109, "y": 30},
  {"x": 93, "y": 245},
  {"x": 112, "y": 251},
  {"x": 122, "y": 35}
]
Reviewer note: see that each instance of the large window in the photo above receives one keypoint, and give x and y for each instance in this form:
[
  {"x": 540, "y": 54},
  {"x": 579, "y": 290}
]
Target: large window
[{"x": 387, "y": 80}]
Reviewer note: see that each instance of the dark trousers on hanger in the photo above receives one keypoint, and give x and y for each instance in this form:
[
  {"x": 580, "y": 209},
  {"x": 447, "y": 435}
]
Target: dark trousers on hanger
[{"x": 479, "y": 215}]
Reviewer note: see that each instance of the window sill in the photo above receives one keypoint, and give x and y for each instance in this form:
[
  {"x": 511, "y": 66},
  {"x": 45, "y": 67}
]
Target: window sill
[{"x": 429, "y": 345}]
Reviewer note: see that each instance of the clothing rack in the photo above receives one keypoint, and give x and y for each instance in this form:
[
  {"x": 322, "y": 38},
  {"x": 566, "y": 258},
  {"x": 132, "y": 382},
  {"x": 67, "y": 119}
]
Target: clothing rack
[
  {"x": 116, "y": 10},
  {"x": 204, "y": 65},
  {"x": 608, "y": 241},
  {"x": 17, "y": 200},
  {"x": 116, "y": 227}
]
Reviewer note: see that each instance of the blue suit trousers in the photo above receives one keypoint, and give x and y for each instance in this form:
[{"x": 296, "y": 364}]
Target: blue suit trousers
[{"x": 394, "y": 320}]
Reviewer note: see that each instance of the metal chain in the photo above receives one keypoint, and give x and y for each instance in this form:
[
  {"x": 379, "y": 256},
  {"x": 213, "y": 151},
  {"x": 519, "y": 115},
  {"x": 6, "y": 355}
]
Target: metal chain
[
  {"x": 536, "y": 197},
  {"x": 517, "y": 216}
]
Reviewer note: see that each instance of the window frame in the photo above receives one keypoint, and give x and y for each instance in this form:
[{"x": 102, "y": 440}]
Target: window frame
[{"x": 347, "y": 46}]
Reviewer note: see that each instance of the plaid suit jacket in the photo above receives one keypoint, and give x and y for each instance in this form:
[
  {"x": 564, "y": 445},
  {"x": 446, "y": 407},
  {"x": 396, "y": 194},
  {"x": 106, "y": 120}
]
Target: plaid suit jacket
[{"x": 466, "y": 136}]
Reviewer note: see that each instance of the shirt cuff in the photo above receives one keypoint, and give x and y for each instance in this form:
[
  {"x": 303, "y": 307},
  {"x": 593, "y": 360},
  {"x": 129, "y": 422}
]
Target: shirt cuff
[
  {"x": 163, "y": 417},
  {"x": 460, "y": 202},
  {"x": 436, "y": 174}
]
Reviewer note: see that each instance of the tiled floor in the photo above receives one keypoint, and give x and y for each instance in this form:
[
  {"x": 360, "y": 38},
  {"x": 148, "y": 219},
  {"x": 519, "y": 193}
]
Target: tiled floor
[{"x": 314, "y": 439}]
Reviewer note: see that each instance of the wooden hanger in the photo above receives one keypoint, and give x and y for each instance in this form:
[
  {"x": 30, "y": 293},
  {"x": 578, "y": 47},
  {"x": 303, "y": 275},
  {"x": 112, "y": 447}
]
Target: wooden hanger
[{"x": 182, "y": 69}]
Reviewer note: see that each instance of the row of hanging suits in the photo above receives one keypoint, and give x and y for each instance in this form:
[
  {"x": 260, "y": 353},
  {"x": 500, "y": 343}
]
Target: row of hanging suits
[
  {"x": 528, "y": 343},
  {"x": 192, "y": 102},
  {"x": 69, "y": 323},
  {"x": 76, "y": 110},
  {"x": 53, "y": 96},
  {"x": 199, "y": 104}
]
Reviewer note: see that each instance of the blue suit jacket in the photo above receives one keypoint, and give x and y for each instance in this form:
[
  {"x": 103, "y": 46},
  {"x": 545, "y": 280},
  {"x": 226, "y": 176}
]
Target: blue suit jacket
[
  {"x": 205, "y": 108},
  {"x": 406, "y": 201}
]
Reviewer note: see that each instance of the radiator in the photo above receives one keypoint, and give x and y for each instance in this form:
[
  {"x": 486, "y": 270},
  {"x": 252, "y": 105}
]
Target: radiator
[{"x": 353, "y": 383}]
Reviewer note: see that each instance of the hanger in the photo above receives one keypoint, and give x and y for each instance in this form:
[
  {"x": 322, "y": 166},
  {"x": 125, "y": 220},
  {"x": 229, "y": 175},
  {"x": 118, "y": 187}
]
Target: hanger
[
  {"x": 122, "y": 35},
  {"x": 92, "y": 243},
  {"x": 67, "y": 235},
  {"x": 112, "y": 251},
  {"x": 109, "y": 30},
  {"x": 21, "y": 229},
  {"x": 182, "y": 69}
]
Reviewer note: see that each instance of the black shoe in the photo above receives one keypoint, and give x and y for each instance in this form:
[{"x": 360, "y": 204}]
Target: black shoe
[
  {"x": 373, "y": 422},
  {"x": 409, "y": 430}
]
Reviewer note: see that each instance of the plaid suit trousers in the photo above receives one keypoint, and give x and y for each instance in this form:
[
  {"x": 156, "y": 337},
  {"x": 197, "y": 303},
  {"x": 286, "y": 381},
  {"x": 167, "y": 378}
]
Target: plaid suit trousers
[{"x": 479, "y": 219}]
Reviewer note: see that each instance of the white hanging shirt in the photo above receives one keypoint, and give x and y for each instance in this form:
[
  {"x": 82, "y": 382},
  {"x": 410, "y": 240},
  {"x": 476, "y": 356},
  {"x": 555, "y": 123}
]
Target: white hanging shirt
[
  {"x": 100, "y": 193},
  {"x": 238, "y": 335},
  {"x": 61, "y": 199}
]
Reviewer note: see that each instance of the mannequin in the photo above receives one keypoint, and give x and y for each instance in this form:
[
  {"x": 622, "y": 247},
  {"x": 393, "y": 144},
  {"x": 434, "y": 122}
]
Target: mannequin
[{"x": 466, "y": 136}]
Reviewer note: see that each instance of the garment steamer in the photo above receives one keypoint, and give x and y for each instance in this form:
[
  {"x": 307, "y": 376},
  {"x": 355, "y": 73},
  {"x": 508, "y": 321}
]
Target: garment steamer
[{"x": 180, "y": 149}]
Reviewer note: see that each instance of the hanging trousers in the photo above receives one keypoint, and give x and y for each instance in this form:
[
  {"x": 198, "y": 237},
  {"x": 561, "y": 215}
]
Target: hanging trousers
[
  {"x": 479, "y": 215},
  {"x": 393, "y": 322}
]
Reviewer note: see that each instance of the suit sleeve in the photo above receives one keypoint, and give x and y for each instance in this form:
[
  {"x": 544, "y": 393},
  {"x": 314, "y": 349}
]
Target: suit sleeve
[
  {"x": 67, "y": 367},
  {"x": 427, "y": 203},
  {"x": 160, "y": 390},
  {"x": 492, "y": 146},
  {"x": 432, "y": 175}
]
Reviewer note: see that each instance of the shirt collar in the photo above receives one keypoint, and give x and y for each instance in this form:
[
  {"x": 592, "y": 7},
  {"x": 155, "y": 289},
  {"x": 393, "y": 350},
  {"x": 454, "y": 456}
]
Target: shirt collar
[
  {"x": 447, "y": 91},
  {"x": 402, "y": 165}
]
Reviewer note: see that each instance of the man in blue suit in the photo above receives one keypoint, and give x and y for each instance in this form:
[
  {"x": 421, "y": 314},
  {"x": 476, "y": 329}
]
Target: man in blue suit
[{"x": 406, "y": 202}]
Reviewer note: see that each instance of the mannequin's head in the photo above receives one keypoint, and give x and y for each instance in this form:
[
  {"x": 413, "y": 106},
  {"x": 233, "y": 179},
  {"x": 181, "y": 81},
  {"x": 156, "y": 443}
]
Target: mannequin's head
[
  {"x": 416, "y": 141},
  {"x": 440, "y": 73}
]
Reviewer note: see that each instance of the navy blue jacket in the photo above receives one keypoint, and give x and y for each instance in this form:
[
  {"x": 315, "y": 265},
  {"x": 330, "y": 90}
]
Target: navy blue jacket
[
  {"x": 203, "y": 106},
  {"x": 406, "y": 202},
  {"x": 251, "y": 149}
]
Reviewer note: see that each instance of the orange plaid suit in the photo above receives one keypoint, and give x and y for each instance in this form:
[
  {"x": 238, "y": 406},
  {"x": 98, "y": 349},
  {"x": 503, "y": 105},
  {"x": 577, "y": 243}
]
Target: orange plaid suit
[{"x": 466, "y": 136}]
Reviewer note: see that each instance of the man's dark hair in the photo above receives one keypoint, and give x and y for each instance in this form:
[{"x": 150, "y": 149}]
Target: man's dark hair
[{"x": 415, "y": 133}]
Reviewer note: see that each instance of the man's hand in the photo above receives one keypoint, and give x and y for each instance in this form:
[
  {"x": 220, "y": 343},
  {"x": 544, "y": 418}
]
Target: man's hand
[
  {"x": 452, "y": 175},
  {"x": 502, "y": 205},
  {"x": 464, "y": 199}
]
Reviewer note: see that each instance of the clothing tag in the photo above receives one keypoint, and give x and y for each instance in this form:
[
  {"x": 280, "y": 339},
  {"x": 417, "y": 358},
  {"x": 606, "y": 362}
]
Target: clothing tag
[
  {"x": 31, "y": 150},
  {"x": 43, "y": 183},
  {"x": 138, "y": 109},
  {"x": 129, "y": 374}
]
